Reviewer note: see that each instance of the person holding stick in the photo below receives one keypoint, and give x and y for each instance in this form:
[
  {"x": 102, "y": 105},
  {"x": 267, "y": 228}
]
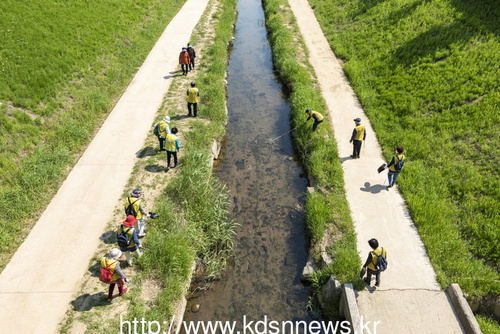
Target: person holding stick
[{"x": 318, "y": 118}]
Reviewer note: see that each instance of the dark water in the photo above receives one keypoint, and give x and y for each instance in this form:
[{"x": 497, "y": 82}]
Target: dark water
[{"x": 266, "y": 189}]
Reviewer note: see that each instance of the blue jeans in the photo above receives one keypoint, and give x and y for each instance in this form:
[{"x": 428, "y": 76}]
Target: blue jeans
[{"x": 392, "y": 176}]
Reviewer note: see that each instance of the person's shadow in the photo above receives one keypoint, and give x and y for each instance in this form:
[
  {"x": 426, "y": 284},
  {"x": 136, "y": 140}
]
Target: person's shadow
[
  {"x": 87, "y": 301},
  {"x": 375, "y": 189}
]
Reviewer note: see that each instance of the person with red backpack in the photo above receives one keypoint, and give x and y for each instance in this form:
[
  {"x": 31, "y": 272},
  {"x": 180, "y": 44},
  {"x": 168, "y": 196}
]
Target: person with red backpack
[
  {"x": 112, "y": 274},
  {"x": 128, "y": 239}
]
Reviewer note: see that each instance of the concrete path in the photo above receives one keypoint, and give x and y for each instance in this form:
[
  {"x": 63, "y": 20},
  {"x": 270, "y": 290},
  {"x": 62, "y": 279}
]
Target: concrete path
[
  {"x": 42, "y": 277},
  {"x": 408, "y": 287}
]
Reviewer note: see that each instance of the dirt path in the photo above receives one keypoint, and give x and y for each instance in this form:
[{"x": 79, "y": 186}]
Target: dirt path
[
  {"x": 409, "y": 286},
  {"x": 38, "y": 283}
]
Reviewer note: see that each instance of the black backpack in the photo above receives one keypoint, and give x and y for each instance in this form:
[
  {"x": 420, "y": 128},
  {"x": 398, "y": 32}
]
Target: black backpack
[
  {"x": 156, "y": 130},
  {"x": 400, "y": 164},
  {"x": 130, "y": 210},
  {"x": 382, "y": 261},
  {"x": 122, "y": 238}
]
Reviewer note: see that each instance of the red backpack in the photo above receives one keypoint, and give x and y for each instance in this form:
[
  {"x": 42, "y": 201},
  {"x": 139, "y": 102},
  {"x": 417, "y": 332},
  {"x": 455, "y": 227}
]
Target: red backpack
[{"x": 105, "y": 275}]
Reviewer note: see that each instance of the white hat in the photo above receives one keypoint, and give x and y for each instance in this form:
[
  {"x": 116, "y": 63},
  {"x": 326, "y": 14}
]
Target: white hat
[
  {"x": 166, "y": 119},
  {"x": 115, "y": 253}
]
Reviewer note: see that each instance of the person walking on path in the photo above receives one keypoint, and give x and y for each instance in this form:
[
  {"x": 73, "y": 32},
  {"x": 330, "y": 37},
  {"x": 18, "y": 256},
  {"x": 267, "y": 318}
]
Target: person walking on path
[
  {"x": 358, "y": 135},
  {"x": 184, "y": 60},
  {"x": 371, "y": 262},
  {"x": 163, "y": 131},
  {"x": 318, "y": 118},
  {"x": 395, "y": 166},
  {"x": 173, "y": 146},
  {"x": 127, "y": 238},
  {"x": 192, "y": 56},
  {"x": 133, "y": 207},
  {"x": 193, "y": 95},
  {"x": 111, "y": 262}
]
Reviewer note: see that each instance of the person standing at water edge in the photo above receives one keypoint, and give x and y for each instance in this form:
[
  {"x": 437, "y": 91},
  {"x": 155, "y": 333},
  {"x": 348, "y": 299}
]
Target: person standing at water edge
[
  {"x": 318, "y": 118},
  {"x": 192, "y": 56},
  {"x": 358, "y": 135},
  {"x": 173, "y": 146},
  {"x": 371, "y": 262},
  {"x": 192, "y": 99},
  {"x": 184, "y": 60},
  {"x": 111, "y": 262},
  {"x": 395, "y": 166}
]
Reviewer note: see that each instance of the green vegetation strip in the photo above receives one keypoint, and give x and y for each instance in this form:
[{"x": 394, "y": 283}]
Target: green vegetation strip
[
  {"x": 63, "y": 64},
  {"x": 196, "y": 224},
  {"x": 327, "y": 211},
  {"x": 427, "y": 76}
]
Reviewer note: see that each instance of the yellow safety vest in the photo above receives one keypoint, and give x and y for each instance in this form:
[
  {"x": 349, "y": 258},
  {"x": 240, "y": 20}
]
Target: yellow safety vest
[
  {"x": 170, "y": 143},
  {"x": 360, "y": 132},
  {"x": 374, "y": 261},
  {"x": 136, "y": 205},
  {"x": 398, "y": 158},
  {"x": 192, "y": 95},
  {"x": 111, "y": 264},
  {"x": 129, "y": 234},
  {"x": 319, "y": 117}
]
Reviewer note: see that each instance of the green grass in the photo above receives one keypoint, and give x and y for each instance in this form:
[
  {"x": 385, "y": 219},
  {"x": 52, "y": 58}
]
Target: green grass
[
  {"x": 327, "y": 211},
  {"x": 197, "y": 225},
  {"x": 426, "y": 73},
  {"x": 63, "y": 65}
]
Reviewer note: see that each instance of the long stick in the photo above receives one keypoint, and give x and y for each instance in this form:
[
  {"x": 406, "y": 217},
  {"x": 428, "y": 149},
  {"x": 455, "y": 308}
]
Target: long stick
[{"x": 271, "y": 140}]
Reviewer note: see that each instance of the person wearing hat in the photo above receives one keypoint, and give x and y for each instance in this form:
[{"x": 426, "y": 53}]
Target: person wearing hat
[
  {"x": 318, "y": 118},
  {"x": 111, "y": 262},
  {"x": 192, "y": 56},
  {"x": 128, "y": 231},
  {"x": 164, "y": 130},
  {"x": 184, "y": 60},
  {"x": 173, "y": 146},
  {"x": 358, "y": 135},
  {"x": 395, "y": 166},
  {"x": 192, "y": 99},
  {"x": 133, "y": 207}
]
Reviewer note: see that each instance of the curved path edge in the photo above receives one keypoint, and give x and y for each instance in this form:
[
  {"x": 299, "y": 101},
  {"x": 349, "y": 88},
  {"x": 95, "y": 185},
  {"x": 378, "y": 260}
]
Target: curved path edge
[
  {"x": 42, "y": 277},
  {"x": 409, "y": 286}
]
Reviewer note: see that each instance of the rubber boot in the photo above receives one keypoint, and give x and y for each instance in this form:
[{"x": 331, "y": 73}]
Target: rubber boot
[
  {"x": 110, "y": 291},
  {"x": 128, "y": 256},
  {"x": 122, "y": 290},
  {"x": 142, "y": 226}
]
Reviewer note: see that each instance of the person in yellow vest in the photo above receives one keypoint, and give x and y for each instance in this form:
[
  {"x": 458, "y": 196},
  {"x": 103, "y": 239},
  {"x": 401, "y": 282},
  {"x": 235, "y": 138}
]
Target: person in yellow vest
[
  {"x": 133, "y": 207},
  {"x": 127, "y": 238},
  {"x": 358, "y": 135},
  {"x": 111, "y": 262},
  {"x": 164, "y": 131},
  {"x": 193, "y": 95},
  {"x": 371, "y": 262},
  {"x": 318, "y": 118},
  {"x": 395, "y": 166},
  {"x": 173, "y": 146}
]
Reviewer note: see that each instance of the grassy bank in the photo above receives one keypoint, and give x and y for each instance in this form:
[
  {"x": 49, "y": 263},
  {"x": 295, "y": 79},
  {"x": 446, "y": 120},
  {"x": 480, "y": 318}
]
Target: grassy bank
[
  {"x": 63, "y": 64},
  {"x": 193, "y": 228},
  {"x": 427, "y": 76},
  {"x": 327, "y": 211}
]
